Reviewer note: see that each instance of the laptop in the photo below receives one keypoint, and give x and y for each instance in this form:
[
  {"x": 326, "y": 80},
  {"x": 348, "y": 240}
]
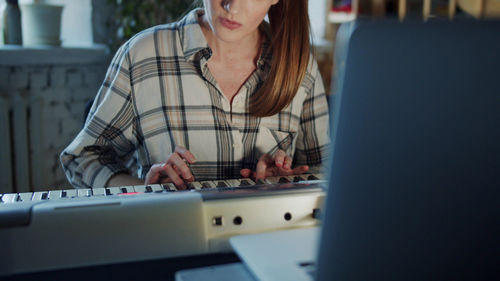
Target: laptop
[{"x": 414, "y": 187}]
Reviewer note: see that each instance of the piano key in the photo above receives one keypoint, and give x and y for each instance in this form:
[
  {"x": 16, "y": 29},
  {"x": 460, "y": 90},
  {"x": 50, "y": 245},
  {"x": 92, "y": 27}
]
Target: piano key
[
  {"x": 312, "y": 177},
  {"x": 283, "y": 180},
  {"x": 169, "y": 187},
  {"x": 207, "y": 184},
  {"x": 157, "y": 188},
  {"x": 272, "y": 180},
  {"x": 64, "y": 194},
  {"x": 261, "y": 181},
  {"x": 221, "y": 183},
  {"x": 9, "y": 198},
  {"x": 194, "y": 185},
  {"x": 298, "y": 178},
  {"x": 25, "y": 196},
  {"x": 55, "y": 194},
  {"x": 246, "y": 182},
  {"x": 114, "y": 190},
  {"x": 71, "y": 193},
  {"x": 98, "y": 191},
  {"x": 127, "y": 189},
  {"x": 141, "y": 188},
  {"x": 39, "y": 195},
  {"x": 233, "y": 182},
  {"x": 149, "y": 189},
  {"x": 84, "y": 192}
]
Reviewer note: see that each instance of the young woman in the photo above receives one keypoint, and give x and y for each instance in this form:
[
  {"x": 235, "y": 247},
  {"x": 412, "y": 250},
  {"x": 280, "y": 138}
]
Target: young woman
[{"x": 218, "y": 94}]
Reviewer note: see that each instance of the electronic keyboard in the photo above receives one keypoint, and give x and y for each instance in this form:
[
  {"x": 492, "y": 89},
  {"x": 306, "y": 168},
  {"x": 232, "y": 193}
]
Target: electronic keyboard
[{"x": 58, "y": 229}]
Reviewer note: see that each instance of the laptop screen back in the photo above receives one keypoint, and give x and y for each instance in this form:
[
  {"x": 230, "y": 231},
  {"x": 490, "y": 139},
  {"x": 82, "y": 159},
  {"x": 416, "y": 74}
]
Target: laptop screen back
[{"x": 415, "y": 169}]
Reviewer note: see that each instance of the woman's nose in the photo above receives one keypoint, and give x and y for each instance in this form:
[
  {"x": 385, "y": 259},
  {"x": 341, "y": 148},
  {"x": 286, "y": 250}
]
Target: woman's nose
[{"x": 230, "y": 6}]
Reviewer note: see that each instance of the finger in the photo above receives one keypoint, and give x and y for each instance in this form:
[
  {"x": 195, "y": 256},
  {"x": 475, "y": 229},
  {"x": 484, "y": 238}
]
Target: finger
[
  {"x": 262, "y": 166},
  {"x": 245, "y": 173},
  {"x": 174, "y": 177},
  {"x": 185, "y": 154},
  {"x": 300, "y": 170},
  {"x": 287, "y": 164},
  {"x": 279, "y": 158},
  {"x": 180, "y": 166},
  {"x": 154, "y": 174}
]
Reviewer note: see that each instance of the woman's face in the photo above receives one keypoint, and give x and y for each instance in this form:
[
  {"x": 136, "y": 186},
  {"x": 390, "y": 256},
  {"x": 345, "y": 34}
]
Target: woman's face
[{"x": 233, "y": 20}]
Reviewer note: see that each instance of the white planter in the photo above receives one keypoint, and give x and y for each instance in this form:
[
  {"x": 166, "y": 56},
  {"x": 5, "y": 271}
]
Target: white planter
[{"x": 41, "y": 24}]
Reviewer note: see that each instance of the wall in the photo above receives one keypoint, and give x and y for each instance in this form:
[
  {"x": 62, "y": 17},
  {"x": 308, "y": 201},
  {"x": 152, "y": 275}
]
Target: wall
[{"x": 55, "y": 85}]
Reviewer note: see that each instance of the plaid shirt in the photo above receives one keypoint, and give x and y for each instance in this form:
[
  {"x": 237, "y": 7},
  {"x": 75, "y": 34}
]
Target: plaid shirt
[{"x": 159, "y": 93}]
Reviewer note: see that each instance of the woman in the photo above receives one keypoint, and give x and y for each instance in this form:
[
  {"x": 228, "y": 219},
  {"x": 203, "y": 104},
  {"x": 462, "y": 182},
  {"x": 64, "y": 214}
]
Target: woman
[{"x": 219, "y": 94}]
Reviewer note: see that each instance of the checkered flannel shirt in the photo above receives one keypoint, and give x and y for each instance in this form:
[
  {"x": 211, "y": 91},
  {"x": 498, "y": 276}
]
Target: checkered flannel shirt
[{"x": 158, "y": 93}]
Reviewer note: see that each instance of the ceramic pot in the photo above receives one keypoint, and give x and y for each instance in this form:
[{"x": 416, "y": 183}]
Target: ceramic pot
[{"x": 41, "y": 24}]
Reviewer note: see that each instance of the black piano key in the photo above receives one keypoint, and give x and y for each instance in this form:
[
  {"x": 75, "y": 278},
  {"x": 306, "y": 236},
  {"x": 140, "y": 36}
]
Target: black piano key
[
  {"x": 205, "y": 185},
  {"x": 64, "y": 194},
  {"x": 149, "y": 189},
  {"x": 221, "y": 184},
  {"x": 244, "y": 183},
  {"x": 108, "y": 192},
  {"x": 44, "y": 196},
  {"x": 312, "y": 178},
  {"x": 123, "y": 189},
  {"x": 190, "y": 186},
  {"x": 167, "y": 188},
  {"x": 283, "y": 180},
  {"x": 297, "y": 179}
]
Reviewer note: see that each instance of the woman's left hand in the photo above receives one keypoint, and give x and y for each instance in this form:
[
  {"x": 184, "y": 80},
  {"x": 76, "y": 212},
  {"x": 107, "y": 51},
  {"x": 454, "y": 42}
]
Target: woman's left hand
[{"x": 278, "y": 164}]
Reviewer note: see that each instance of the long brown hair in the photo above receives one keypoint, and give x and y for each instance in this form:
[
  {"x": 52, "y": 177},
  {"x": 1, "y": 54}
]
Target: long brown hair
[{"x": 289, "y": 21}]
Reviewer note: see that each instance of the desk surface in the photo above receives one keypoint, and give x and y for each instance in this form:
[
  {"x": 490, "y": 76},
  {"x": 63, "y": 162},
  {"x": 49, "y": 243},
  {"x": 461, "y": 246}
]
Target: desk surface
[
  {"x": 152, "y": 270},
  {"x": 225, "y": 272}
]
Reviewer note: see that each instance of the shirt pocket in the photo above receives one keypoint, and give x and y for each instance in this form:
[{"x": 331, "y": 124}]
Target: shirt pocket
[{"x": 269, "y": 141}]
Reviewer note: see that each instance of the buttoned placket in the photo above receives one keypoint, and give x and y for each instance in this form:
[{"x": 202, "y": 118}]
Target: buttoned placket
[{"x": 238, "y": 104}]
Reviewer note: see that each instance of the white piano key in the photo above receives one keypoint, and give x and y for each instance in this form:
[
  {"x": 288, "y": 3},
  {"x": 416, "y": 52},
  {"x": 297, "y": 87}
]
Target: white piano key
[
  {"x": 71, "y": 193},
  {"x": 141, "y": 188},
  {"x": 263, "y": 181},
  {"x": 233, "y": 182},
  {"x": 99, "y": 191},
  {"x": 157, "y": 188},
  {"x": 55, "y": 194},
  {"x": 25, "y": 196},
  {"x": 9, "y": 197},
  {"x": 39, "y": 195},
  {"x": 272, "y": 180},
  {"x": 84, "y": 192}
]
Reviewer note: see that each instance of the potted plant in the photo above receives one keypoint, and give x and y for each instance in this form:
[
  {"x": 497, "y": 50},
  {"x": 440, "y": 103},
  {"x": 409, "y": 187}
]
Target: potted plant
[{"x": 133, "y": 16}]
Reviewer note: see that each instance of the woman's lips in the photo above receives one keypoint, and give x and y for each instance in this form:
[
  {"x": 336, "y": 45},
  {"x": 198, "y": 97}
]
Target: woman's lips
[{"x": 229, "y": 23}]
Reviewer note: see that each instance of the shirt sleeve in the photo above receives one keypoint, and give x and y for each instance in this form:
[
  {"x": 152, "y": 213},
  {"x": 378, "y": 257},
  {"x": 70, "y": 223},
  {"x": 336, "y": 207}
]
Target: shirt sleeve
[
  {"x": 99, "y": 150},
  {"x": 314, "y": 134}
]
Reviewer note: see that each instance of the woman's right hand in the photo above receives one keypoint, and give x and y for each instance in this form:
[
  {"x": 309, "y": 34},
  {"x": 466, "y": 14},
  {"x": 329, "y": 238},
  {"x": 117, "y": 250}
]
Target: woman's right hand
[{"x": 174, "y": 170}]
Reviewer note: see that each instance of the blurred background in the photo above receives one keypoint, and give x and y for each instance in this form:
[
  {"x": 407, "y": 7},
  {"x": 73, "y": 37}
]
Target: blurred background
[
  {"x": 50, "y": 68},
  {"x": 54, "y": 54}
]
